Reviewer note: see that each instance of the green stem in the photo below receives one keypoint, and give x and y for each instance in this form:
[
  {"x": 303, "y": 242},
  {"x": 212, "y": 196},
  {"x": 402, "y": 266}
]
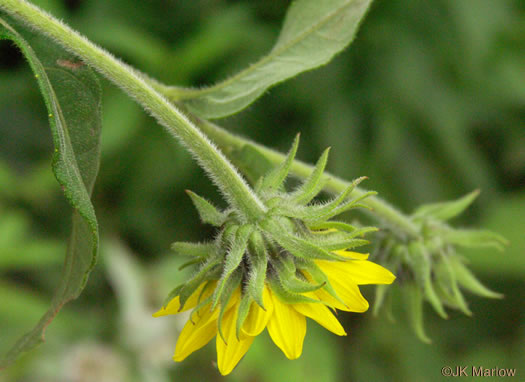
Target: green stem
[
  {"x": 222, "y": 172},
  {"x": 381, "y": 209}
]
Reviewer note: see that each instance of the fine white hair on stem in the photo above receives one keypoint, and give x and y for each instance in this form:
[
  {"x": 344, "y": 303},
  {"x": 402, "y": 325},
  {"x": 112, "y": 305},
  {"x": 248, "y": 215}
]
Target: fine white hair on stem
[{"x": 222, "y": 173}]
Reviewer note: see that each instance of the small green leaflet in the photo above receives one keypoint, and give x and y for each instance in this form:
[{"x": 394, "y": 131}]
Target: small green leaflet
[
  {"x": 72, "y": 96},
  {"x": 313, "y": 32}
]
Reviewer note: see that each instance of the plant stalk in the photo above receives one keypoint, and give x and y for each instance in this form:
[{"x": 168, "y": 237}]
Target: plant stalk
[
  {"x": 381, "y": 210},
  {"x": 218, "y": 167}
]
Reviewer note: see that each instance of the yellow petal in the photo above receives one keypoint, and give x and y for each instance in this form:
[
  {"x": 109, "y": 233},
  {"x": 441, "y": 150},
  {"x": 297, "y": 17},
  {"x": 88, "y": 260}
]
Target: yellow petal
[
  {"x": 173, "y": 307},
  {"x": 258, "y": 318},
  {"x": 352, "y": 255},
  {"x": 287, "y": 328},
  {"x": 327, "y": 298},
  {"x": 229, "y": 353},
  {"x": 344, "y": 286},
  {"x": 196, "y": 334},
  {"x": 358, "y": 272},
  {"x": 322, "y": 315}
]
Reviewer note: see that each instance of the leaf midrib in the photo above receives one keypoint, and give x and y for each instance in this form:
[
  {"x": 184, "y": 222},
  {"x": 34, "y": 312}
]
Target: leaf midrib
[{"x": 273, "y": 53}]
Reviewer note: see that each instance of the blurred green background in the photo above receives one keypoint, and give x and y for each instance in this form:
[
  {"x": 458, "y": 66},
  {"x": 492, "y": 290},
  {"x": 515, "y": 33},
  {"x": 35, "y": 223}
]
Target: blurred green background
[{"x": 428, "y": 102}]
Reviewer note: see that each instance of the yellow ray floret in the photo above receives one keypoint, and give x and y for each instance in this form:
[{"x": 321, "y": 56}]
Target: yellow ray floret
[{"x": 286, "y": 323}]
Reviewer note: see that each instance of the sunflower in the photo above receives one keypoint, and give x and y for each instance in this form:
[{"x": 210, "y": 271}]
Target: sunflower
[{"x": 285, "y": 322}]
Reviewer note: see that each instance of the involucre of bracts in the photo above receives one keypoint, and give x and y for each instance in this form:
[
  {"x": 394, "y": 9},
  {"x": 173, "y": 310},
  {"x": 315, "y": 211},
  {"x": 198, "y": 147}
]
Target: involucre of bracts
[{"x": 294, "y": 262}]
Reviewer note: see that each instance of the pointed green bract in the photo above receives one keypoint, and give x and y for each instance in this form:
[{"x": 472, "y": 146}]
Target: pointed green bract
[
  {"x": 287, "y": 274},
  {"x": 233, "y": 259},
  {"x": 174, "y": 293},
  {"x": 231, "y": 284},
  {"x": 207, "y": 212},
  {"x": 244, "y": 309},
  {"x": 275, "y": 178},
  {"x": 202, "y": 302},
  {"x": 446, "y": 210},
  {"x": 339, "y": 226},
  {"x": 286, "y": 296},
  {"x": 319, "y": 277},
  {"x": 468, "y": 281},
  {"x": 475, "y": 239},
  {"x": 350, "y": 205},
  {"x": 258, "y": 258},
  {"x": 415, "y": 310},
  {"x": 190, "y": 263},
  {"x": 381, "y": 292},
  {"x": 422, "y": 273},
  {"x": 72, "y": 97},
  {"x": 302, "y": 248},
  {"x": 198, "y": 278},
  {"x": 334, "y": 241},
  {"x": 320, "y": 213},
  {"x": 445, "y": 274},
  {"x": 194, "y": 249},
  {"x": 313, "y": 184}
]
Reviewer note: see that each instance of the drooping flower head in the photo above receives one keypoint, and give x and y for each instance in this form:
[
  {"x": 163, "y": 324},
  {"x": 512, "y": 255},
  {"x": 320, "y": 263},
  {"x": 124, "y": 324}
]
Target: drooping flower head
[{"x": 273, "y": 273}]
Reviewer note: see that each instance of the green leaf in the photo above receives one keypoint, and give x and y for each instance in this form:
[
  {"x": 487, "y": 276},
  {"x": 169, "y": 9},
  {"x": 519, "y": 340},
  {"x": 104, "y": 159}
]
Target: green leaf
[
  {"x": 446, "y": 210},
  {"x": 72, "y": 96},
  {"x": 313, "y": 32}
]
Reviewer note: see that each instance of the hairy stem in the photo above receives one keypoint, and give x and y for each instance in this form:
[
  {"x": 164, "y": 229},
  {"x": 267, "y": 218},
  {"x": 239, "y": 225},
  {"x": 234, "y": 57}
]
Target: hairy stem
[
  {"x": 222, "y": 172},
  {"x": 381, "y": 209}
]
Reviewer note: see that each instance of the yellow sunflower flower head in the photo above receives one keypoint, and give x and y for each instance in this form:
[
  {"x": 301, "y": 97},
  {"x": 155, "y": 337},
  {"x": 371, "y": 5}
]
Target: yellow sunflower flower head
[{"x": 274, "y": 273}]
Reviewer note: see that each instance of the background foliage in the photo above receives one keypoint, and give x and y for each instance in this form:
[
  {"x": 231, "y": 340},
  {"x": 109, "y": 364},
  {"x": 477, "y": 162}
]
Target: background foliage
[{"x": 429, "y": 102}]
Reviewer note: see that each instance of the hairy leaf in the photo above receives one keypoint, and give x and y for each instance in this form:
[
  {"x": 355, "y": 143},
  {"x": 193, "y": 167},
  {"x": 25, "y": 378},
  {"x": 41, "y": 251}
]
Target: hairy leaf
[
  {"x": 313, "y": 32},
  {"x": 72, "y": 96}
]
